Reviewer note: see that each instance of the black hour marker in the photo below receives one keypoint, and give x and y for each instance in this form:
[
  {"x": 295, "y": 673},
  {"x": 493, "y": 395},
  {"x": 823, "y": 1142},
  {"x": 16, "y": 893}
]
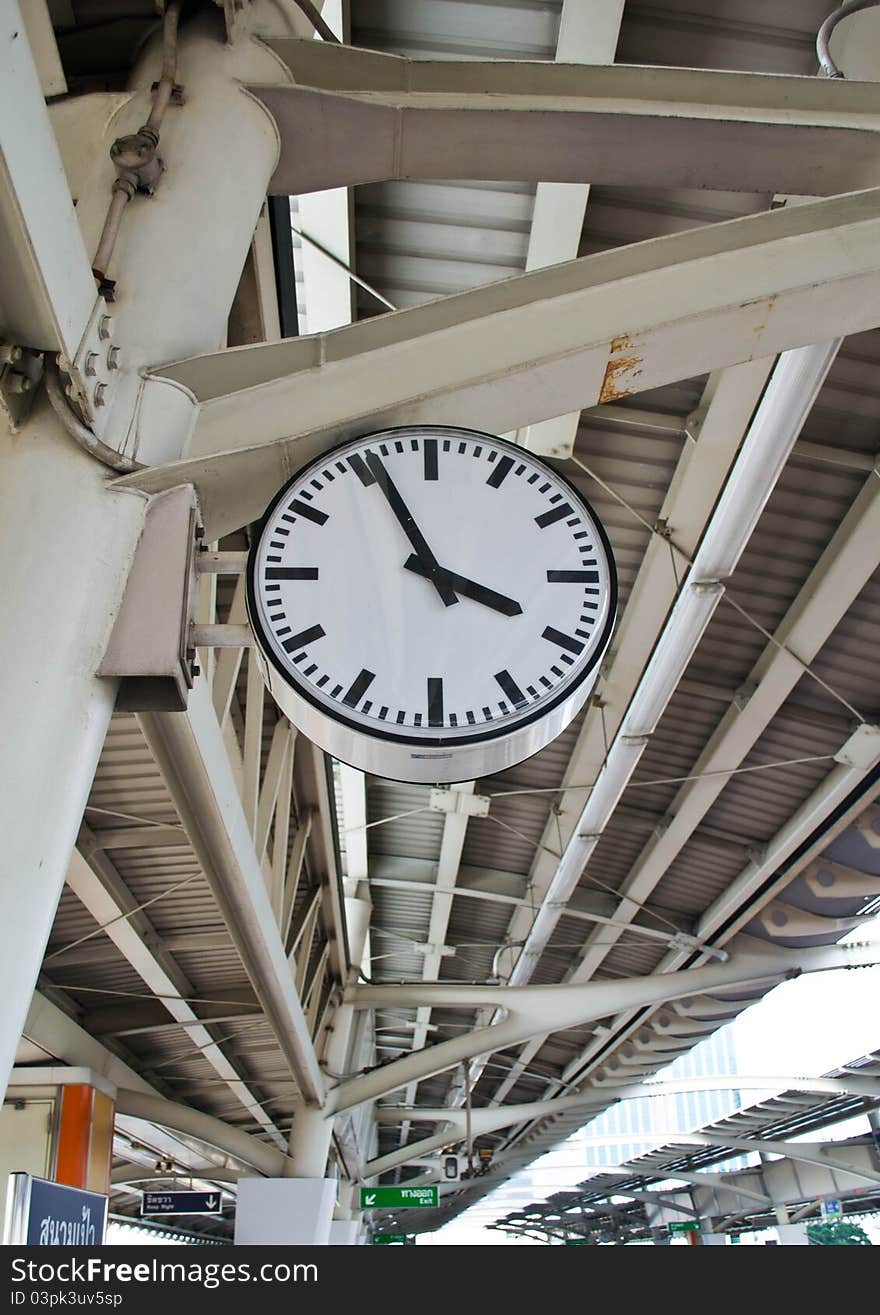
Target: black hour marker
[
  {"x": 358, "y": 688},
  {"x": 310, "y": 513},
  {"x": 564, "y": 641},
  {"x": 557, "y": 514},
  {"x": 291, "y": 573},
  {"x": 304, "y": 637},
  {"x": 510, "y": 687},
  {"x": 359, "y": 467},
  {"x": 435, "y": 701},
  {"x": 500, "y": 473},
  {"x": 573, "y": 577},
  {"x": 430, "y": 454}
]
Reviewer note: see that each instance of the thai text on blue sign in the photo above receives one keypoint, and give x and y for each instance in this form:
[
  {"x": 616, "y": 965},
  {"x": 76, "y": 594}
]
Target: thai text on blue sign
[
  {"x": 181, "y": 1203},
  {"x": 42, "y": 1213}
]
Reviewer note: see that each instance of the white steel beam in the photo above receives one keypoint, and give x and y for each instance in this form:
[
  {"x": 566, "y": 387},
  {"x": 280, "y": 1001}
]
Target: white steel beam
[
  {"x": 588, "y": 32},
  {"x": 98, "y": 886},
  {"x": 725, "y": 916},
  {"x": 529, "y": 1010},
  {"x": 53, "y": 1031},
  {"x": 326, "y": 217},
  {"x": 47, "y": 291},
  {"x": 49, "y": 1028},
  {"x": 451, "y": 846},
  {"x": 194, "y": 1123},
  {"x": 526, "y": 349},
  {"x": 490, "y": 1118},
  {"x": 844, "y": 568},
  {"x": 355, "y": 117},
  {"x": 826, "y": 1156},
  {"x": 770, "y": 436},
  {"x": 353, "y": 784},
  {"x": 718, "y": 1181},
  {"x": 189, "y": 749}
]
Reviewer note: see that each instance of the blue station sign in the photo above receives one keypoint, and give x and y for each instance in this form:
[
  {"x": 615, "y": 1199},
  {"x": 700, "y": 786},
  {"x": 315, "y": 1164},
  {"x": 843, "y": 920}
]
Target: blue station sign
[
  {"x": 46, "y": 1214},
  {"x": 181, "y": 1203}
]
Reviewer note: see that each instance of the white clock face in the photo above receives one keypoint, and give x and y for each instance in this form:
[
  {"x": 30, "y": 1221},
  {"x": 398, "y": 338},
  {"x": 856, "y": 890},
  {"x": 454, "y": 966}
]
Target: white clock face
[{"x": 422, "y": 590}]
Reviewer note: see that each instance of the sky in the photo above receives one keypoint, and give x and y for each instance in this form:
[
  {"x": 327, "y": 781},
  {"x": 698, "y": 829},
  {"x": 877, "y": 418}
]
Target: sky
[{"x": 803, "y": 1027}]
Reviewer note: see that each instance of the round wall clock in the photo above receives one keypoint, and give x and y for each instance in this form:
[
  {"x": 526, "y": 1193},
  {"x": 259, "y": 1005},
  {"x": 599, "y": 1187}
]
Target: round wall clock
[{"x": 430, "y": 604}]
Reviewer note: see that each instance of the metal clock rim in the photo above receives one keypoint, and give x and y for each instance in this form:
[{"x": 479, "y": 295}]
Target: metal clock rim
[{"x": 428, "y": 742}]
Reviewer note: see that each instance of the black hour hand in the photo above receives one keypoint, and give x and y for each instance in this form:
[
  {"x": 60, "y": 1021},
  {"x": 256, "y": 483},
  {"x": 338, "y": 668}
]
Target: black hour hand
[{"x": 479, "y": 593}]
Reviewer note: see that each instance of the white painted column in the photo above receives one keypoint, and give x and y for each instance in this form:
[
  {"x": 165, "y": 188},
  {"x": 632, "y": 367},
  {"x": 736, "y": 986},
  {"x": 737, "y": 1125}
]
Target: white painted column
[
  {"x": 793, "y": 1235},
  {"x": 66, "y": 544},
  {"x": 284, "y": 1211}
]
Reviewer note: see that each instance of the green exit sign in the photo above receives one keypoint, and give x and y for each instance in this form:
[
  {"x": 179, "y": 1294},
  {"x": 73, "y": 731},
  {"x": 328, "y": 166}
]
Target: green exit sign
[
  {"x": 684, "y": 1226},
  {"x": 398, "y": 1198},
  {"x": 387, "y": 1239}
]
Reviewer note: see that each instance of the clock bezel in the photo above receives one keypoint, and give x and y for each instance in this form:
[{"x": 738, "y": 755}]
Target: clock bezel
[{"x": 449, "y": 738}]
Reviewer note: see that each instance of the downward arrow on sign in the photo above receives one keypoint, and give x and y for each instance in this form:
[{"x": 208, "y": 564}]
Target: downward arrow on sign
[
  {"x": 370, "y": 1200},
  {"x": 212, "y": 1202}
]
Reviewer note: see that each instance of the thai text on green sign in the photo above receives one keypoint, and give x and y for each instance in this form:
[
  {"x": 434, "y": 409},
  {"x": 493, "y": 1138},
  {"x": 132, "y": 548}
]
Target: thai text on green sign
[{"x": 400, "y": 1198}]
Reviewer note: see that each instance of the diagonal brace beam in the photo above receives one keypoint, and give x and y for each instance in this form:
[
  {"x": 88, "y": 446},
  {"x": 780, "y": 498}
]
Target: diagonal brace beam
[
  {"x": 357, "y": 117},
  {"x": 531, "y": 1010},
  {"x": 512, "y": 353}
]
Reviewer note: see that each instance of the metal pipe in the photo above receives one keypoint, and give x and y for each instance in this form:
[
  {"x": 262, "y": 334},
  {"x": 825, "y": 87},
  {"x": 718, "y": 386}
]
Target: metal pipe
[
  {"x": 169, "y": 66},
  {"x": 826, "y": 63},
  {"x": 125, "y": 185},
  {"x": 118, "y": 202},
  {"x": 79, "y": 432}
]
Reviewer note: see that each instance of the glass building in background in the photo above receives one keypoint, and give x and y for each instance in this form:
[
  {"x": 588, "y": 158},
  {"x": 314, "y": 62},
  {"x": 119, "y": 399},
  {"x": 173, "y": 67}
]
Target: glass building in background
[{"x": 632, "y": 1127}]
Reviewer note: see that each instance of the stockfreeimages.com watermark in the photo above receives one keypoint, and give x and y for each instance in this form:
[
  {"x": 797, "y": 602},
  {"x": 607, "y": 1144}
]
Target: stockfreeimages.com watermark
[{"x": 95, "y": 1271}]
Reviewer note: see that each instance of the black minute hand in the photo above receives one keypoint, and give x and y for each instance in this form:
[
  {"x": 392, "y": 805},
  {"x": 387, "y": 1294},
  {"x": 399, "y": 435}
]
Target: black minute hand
[
  {"x": 468, "y": 588},
  {"x": 410, "y": 529}
]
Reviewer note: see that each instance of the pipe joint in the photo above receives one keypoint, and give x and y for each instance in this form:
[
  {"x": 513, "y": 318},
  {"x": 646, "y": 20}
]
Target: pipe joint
[{"x": 137, "y": 164}]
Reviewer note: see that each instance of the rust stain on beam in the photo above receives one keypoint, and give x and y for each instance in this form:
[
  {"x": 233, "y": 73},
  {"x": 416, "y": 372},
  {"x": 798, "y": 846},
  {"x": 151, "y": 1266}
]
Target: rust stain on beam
[
  {"x": 771, "y": 302},
  {"x": 621, "y": 371}
]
